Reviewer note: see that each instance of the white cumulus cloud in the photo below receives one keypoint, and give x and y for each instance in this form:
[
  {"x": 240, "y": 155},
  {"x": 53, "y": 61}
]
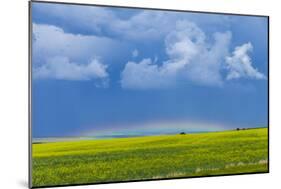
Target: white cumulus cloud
[
  {"x": 240, "y": 64},
  {"x": 50, "y": 41},
  {"x": 191, "y": 58},
  {"x": 65, "y": 56},
  {"x": 145, "y": 75},
  {"x": 62, "y": 69}
]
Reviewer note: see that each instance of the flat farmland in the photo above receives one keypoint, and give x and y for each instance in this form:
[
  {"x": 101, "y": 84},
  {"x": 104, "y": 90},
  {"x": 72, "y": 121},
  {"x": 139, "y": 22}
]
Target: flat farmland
[{"x": 150, "y": 157}]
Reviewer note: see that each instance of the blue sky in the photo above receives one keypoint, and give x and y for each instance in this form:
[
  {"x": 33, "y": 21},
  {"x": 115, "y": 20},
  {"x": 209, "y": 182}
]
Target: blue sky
[{"x": 103, "y": 71}]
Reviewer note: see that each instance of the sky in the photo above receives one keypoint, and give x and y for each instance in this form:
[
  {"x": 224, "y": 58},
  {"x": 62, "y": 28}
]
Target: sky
[{"x": 100, "y": 71}]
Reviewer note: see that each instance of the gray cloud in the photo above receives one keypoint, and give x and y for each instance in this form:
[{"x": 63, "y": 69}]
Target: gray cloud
[{"x": 91, "y": 20}]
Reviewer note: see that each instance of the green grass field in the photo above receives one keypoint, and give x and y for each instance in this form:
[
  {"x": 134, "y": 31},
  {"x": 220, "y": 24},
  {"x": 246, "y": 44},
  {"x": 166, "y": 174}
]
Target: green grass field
[{"x": 150, "y": 157}]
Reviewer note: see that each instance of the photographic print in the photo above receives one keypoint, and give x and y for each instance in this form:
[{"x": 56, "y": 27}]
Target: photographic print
[{"x": 124, "y": 94}]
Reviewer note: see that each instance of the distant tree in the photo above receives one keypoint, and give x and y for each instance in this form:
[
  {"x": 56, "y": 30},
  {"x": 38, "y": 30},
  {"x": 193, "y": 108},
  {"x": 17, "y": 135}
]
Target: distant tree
[
  {"x": 182, "y": 133},
  {"x": 237, "y": 129}
]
